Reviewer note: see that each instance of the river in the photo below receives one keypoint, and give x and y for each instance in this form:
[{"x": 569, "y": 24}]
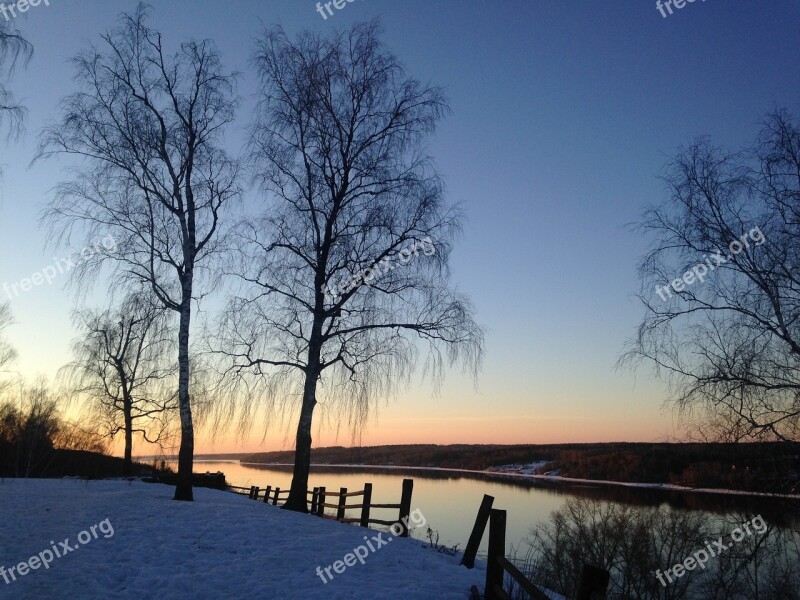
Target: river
[{"x": 449, "y": 500}]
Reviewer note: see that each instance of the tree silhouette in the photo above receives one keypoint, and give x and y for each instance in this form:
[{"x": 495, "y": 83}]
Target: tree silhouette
[
  {"x": 123, "y": 371},
  {"x": 726, "y": 334},
  {"x": 346, "y": 269},
  {"x": 153, "y": 176},
  {"x": 13, "y": 49}
]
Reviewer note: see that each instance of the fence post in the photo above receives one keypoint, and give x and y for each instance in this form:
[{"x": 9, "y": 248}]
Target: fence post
[
  {"x": 468, "y": 560},
  {"x": 495, "y": 551},
  {"x": 255, "y": 492},
  {"x": 342, "y": 501},
  {"x": 275, "y": 499},
  {"x": 314, "y": 495},
  {"x": 405, "y": 505},
  {"x": 266, "y": 494},
  {"x": 365, "y": 505},
  {"x": 321, "y": 501},
  {"x": 250, "y": 494},
  {"x": 593, "y": 583}
]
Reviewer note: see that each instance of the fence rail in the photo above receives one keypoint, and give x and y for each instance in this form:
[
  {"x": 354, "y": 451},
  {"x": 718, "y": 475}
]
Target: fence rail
[
  {"x": 593, "y": 581},
  {"x": 592, "y": 585},
  {"x": 321, "y": 498}
]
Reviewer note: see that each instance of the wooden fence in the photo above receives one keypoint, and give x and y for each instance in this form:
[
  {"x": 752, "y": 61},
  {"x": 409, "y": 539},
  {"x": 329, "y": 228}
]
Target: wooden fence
[
  {"x": 593, "y": 581},
  {"x": 592, "y": 585},
  {"x": 320, "y": 499}
]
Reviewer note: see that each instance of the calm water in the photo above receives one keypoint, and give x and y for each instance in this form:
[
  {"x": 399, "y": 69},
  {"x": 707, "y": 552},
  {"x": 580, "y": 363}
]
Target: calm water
[{"x": 450, "y": 500}]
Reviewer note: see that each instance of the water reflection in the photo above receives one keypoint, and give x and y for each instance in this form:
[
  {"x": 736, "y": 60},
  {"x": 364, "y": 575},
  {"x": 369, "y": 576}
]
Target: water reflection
[{"x": 450, "y": 499}]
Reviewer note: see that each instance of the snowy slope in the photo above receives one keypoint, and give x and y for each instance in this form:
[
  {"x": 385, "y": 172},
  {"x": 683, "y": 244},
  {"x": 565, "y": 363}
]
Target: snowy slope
[{"x": 220, "y": 546}]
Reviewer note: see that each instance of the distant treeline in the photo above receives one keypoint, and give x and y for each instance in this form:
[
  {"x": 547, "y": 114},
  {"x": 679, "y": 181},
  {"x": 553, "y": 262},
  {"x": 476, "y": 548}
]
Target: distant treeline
[
  {"x": 57, "y": 462},
  {"x": 754, "y": 466},
  {"x": 35, "y": 441}
]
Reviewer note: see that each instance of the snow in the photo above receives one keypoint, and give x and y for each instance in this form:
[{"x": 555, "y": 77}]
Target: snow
[
  {"x": 533, "y": 468},
  {"x": 222, "y": 545}
]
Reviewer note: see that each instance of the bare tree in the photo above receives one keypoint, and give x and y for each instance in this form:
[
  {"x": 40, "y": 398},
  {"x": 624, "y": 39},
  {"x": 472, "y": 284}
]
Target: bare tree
[
  {"x": 122, "y": 371},
  {"x": 81, "y": 436},
  {"x": 28, "y": 423},
  {"x": 352, "y": 198},
  {"x": 7, "y": 352},
  {"x": 154, "y": 176},
  {"x": 13, "y": 49},
  {"x": 631, "y": 543},
  {"x": 721, "y": 288}
]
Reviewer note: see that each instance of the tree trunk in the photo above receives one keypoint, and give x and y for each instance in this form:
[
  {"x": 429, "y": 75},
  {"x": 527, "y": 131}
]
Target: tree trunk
[
  {"x": 183, "y": 490},
  {"x": 28, "y": 460},
  {"x": 298, "y": 494},
  {"x": 127, "y": 463}
]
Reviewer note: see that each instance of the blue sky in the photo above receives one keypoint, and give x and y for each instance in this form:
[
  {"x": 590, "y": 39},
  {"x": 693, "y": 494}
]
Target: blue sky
[{"x": 564, "y": 114}]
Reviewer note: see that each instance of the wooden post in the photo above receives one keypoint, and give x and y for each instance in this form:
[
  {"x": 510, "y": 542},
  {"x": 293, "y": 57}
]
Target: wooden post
[
  {"x": 468, "y": 560},
  {"x": 314, "y": 500},
  {"x": 250, "y": 495},
  {"x": 321, "y": 501},
  {"x": 365, "y": 505},
  {"x": 405, "y": 505},
  {"x": 277, "y": 493},
  {"x": 266, "y": 494},
  {"x": 255, "y": 492},
  {"x": 496, "y": 551},
  {"x": 593, "y": 583},
  {"x": 342, "y": 503}
]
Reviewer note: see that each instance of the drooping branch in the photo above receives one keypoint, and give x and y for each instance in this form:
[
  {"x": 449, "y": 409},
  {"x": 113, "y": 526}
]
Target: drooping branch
[
  {"x": 720, "y": 286},
  {"x": 145, "y": 128},
  {"x": 338, "y": 147},
  {"x": 14, "y": 49}
]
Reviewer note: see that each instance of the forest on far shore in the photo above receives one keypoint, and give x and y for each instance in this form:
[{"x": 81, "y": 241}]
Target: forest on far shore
[{"x": 763, "y": 466}]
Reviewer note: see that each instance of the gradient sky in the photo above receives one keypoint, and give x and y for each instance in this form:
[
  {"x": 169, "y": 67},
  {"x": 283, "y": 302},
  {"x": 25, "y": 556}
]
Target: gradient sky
[{"x": 564, "y": 114}]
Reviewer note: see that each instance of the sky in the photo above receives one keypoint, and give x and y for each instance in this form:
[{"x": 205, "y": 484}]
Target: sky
[{"x": 563, "y": 117}]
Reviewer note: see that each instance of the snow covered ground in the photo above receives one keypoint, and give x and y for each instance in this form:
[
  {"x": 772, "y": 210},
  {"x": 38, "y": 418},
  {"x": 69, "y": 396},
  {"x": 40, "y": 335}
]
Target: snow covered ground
[
  {"x": 121, "y": 539},
  {"x": 534, "y": 468}
]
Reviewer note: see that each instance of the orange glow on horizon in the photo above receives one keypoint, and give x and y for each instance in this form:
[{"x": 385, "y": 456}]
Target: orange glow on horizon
[{"x": 459, "y": 430}]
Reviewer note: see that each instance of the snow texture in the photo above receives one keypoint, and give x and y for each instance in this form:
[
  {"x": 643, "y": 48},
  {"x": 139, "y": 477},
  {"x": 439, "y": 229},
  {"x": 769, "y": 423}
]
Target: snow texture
[{"x": 222, "y": 545}]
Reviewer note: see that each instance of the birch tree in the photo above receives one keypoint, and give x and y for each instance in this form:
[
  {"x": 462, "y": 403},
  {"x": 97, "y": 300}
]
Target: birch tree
[
  {"x": 720, "y": 285},
  {"x": 147, "y": 126},
  {"x": 345, "y": 271},
  {"x": 122, "y": 370}
]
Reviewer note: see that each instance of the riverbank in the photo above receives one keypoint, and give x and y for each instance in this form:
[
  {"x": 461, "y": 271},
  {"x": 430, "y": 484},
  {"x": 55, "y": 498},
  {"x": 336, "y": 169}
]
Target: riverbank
[
  {"x": 770, "y": 467},
  {"x": 527, "y": 475}
]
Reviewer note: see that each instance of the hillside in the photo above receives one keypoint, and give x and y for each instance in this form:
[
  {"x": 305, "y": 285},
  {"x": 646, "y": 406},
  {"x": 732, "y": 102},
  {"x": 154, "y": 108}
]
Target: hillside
[
  {"x": 58, "y": 462},
  {"x": 136, "y": 542},
  {"x": 756, "y": 466}
]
